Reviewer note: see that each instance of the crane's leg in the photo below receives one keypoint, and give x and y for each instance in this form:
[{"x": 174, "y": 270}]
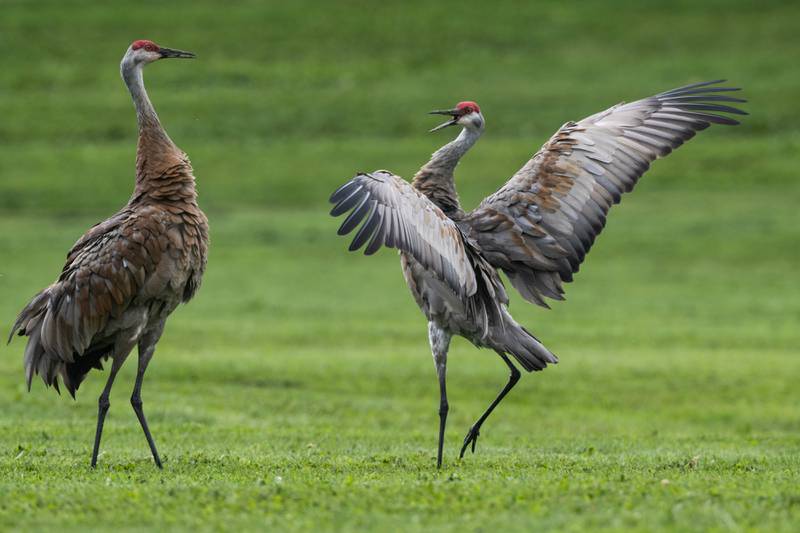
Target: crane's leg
[
  {"x": 147, "y": 347},
  {"x": 120, "y": 354},
  {"x": 440, "y": 343},
  {"x": 474, "y": 431}
]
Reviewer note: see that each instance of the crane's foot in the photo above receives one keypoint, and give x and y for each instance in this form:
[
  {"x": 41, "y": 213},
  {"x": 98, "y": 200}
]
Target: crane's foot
[{"x": 471, "y": 438}]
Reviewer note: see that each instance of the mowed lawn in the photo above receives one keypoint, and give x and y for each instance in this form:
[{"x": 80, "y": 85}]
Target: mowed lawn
[{"x": 297, "y": 391}]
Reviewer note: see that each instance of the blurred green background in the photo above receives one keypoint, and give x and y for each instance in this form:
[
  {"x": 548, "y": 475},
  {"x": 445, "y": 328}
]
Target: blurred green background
[{"x": 297, "y": 390}]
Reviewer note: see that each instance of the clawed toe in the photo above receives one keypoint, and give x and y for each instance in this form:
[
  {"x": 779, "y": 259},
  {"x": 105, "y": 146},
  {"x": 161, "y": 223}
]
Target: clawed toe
[{"x": 472, "y": 437}]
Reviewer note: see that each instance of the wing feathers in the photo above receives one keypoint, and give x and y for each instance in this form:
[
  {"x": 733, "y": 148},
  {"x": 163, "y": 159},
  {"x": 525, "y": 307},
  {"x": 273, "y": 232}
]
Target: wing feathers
[
  {"x": 578, "y": 174},
  {"x": 345, "y": 201},
  {"x": 394, "y": 214},
  {"x": 354, "y": 218}
]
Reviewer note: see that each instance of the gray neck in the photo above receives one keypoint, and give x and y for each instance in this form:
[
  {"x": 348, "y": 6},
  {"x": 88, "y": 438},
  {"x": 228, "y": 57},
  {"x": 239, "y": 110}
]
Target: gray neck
[
  {"x": 145, "y": 113},
  {"x": 435, "y": 179},
  {"x": 445, "y": 159}
]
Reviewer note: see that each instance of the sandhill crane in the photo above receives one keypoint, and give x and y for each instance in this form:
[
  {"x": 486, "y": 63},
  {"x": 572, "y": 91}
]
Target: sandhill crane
[
  {"x": 537, "y": 228},
  {"x": 125, "y": 276}
]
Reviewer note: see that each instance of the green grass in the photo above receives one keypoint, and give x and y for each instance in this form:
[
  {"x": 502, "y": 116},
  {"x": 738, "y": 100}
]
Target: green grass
[{"x": 297, "y": 391}]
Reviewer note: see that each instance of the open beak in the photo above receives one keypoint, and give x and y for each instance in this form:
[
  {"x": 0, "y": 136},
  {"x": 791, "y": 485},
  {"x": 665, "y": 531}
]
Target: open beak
[
  {"x": 452, "y": 122},
  {"x": 169, "y": 52}
]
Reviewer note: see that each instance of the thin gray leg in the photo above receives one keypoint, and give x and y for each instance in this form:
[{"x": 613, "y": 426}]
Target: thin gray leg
[
  {"x": 440, "y": 343},
  {"x": 475, "y": 430},
  {"x": 103, "y": 404},
  {"x": 147, "y": 347}
]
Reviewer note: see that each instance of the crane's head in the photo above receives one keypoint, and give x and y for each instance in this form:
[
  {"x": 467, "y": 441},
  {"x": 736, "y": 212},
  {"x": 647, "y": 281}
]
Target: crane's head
[
  {"x": 142, "y": 52},
  {"x": 466, "y": 114}
]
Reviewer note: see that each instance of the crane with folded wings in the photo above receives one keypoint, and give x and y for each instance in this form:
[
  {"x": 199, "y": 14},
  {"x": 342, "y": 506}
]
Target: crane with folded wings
[
  {"x": 126, "y": 275},
  {"x": 537, "y": 228}
]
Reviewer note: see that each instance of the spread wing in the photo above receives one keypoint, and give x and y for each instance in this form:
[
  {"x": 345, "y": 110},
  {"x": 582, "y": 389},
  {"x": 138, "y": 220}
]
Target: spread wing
[
  {"x": 398, "y": 216},
  {"x": 540, "y": 225}
]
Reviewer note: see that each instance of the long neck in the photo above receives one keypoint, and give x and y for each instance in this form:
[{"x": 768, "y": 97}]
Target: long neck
[
  {"x": 435, "y": 178},
  {"x": 150, "y": 129},
  {"x": 161, "y": 167}
]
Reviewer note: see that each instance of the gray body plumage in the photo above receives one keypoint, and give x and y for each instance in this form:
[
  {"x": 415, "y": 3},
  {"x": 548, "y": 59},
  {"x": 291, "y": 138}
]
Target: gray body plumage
[
  {"x": 481, "y": 318},
  {"x": 537, "y": 228}
]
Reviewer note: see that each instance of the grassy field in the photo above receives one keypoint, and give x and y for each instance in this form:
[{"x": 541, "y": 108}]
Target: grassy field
[{"x": 297, "y": 391}]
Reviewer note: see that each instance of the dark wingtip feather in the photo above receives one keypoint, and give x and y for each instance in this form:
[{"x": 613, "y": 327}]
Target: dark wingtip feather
[
  {"x": 701, "y": 92},
  {"x": 716, "y": 119},
  {"x": 364, "y": 231},
  {"x": 347, "y": 201},
  {"x": 356, "y": 216},
  {"x": 705, "y": 98},
  {"x": 702, "y": 84},
  {"x": 377, "y": 240},
  {"x": 699, "y": 97},
  {"x": 700, "y": 106},
  {"x": 341, "y": 192}
]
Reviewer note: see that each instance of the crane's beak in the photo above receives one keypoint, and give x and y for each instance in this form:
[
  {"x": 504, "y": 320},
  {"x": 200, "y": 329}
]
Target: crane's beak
[
  {"x": 452, "y": 122},
  {"x": 169, "y": 52}
]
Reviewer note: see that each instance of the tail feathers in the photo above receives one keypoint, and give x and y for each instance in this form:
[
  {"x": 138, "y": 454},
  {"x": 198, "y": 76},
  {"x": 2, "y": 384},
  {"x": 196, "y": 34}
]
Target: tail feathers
[
  {"x": 31, "y": 315},
  {"x": 48, "y": 365},
  {"x": 38, "y": 358},
  {"x": 526, "y": 349}
]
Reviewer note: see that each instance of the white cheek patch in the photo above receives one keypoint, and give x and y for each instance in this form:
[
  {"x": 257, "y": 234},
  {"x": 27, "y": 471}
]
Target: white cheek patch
[{"x": 472, "y": 119}]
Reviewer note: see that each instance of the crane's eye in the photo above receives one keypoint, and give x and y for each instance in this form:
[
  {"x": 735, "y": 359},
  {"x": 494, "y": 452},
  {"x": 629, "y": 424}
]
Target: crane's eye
[
  {"x": 150, "y": 47},
  {"x": 468, "y": 110}
]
